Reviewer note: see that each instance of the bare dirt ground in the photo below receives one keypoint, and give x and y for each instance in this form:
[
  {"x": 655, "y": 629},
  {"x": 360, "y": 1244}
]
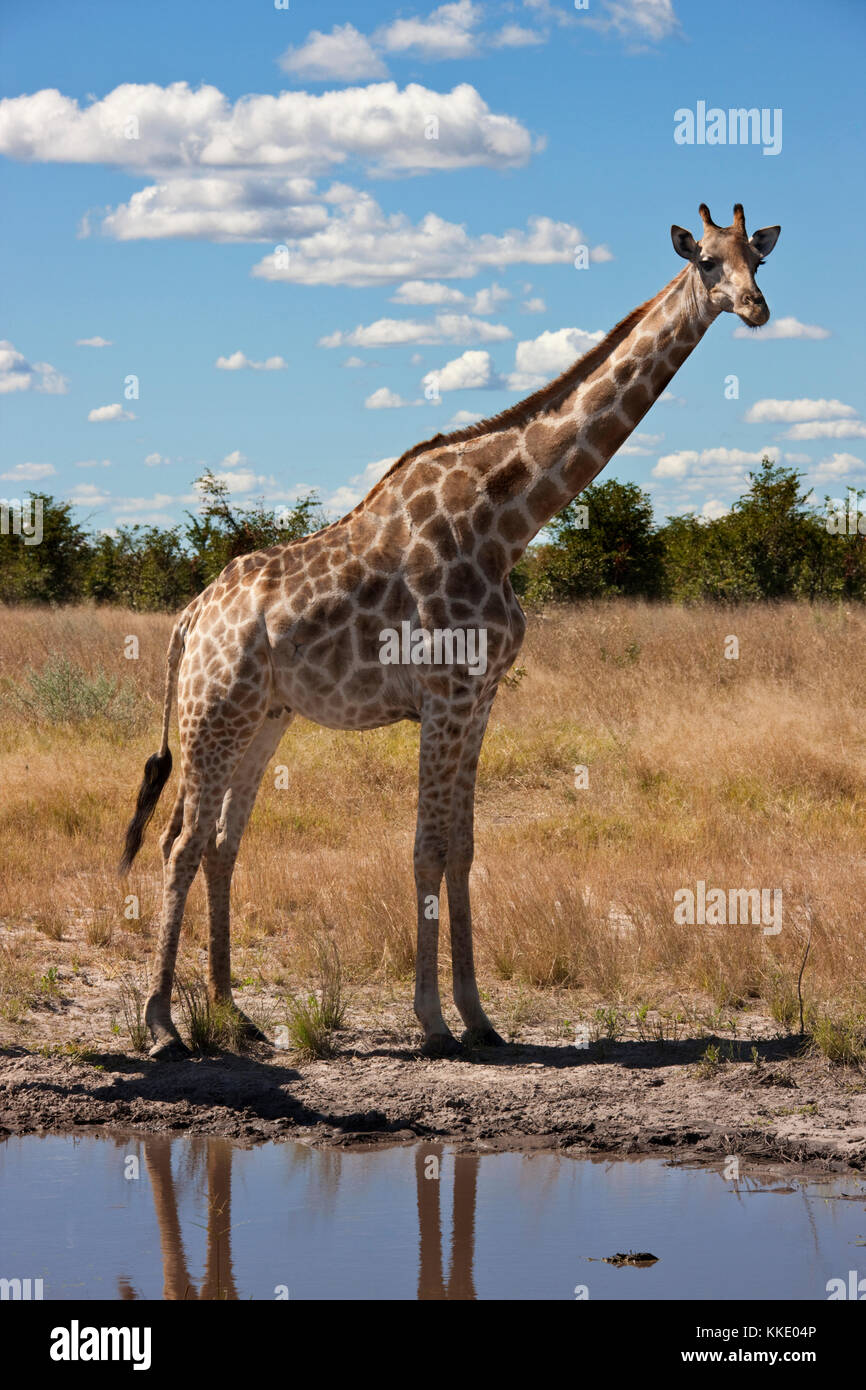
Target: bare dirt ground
[{"x": 765, "y": 1103}]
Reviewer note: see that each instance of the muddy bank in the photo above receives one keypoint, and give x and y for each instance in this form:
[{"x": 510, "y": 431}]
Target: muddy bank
[{"x": 765, "y": 1103}]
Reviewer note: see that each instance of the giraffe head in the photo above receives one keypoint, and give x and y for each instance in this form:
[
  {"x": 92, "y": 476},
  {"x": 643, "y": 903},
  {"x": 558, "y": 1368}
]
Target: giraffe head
[{"x": 726, "y": 259}]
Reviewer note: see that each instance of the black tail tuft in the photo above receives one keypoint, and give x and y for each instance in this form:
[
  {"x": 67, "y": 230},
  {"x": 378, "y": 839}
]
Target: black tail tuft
[{"x": 157, "y": 771}]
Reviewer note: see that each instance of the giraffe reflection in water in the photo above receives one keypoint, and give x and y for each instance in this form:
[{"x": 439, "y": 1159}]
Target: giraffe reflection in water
[
  {"x": 212, "y": 1159},
  {"x": 431, "y": 1282}
]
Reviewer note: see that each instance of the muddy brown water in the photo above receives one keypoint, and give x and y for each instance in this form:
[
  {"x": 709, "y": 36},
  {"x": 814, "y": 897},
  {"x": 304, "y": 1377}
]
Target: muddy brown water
[{"x": 123, "y": 1216}]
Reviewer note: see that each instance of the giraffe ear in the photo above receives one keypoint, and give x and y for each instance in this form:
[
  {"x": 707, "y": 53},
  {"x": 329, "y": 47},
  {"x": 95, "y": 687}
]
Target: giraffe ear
[
  {"x": 684, "y": 243},
  {"x": 764, "y": 240}
]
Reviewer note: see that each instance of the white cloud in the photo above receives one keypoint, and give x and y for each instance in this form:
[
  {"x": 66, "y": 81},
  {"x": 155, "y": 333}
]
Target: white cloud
[
  {"x": 487, "y": 300},
  {"x": 446, "y": 33},
  {"x": 427, "y": 292},
  {"x": 534, "y": 306},
  {"x": 355, "y": 362},
  {"x": 647, "y": 20},
  {"x": 94, "y": 463},
  {"x": 668, "y": 398},
  {"x": 238, "y": 361},
  {"x": 383, "y": 399},
  {"x": 93, "y": 342},
  {"x": 836, "y": 466},
  {"x": 88, "y": 495},
  {"x": 103, "y": 413},
  {"x": 156, "y": 460},
  {"x": 348, "y": 496},
  {"x": 538, "y": 360},
  {"x": 713, "y": 509},
  {"x": 28, "y": 472},
  {"x": 828, "y": 429},
  {"x": 641, "y": 444},
  {"x": 234, "y": 460},
  {"x": 788, "y": 412},
  {"x": 17, "y": 374},
  {"x": 720, "y": 462},
  {"x": 345, "y": 55},
  {"x": 362, "y": 246},
  {"x": 184, "y": 131},
  {"x": 470, "y": 371},
  {"x": 516, "y": 36},
  {"x": 461, "y": 418},
  {"x": 444, "y": 328},
  {"x": 783, "y": 328}
]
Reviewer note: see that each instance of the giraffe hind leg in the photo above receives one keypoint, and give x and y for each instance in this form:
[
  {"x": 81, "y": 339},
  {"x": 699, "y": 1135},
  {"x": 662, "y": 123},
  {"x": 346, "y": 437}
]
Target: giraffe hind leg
[{"x": 221, "y": 854}]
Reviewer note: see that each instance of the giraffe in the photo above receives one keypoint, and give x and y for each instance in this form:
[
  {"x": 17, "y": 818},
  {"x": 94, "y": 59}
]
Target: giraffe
[{"x": 298, "y": 628}]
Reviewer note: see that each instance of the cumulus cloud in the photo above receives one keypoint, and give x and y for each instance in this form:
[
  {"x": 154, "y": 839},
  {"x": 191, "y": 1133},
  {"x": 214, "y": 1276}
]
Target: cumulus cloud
[
  {"x": 641, "y": 444},
  {"x": 362, "y": 246},
  {"x": 719, "y": 462},
  {"x": 156, "y": 460},
  {"x": 647, "y": 21},
  {"x": 461, "y": 418},
  {"x": 238, "y": 361},
  {"x": 28, "y": 472},
  {"x": 444, "y": 328},
  {"x": 181, "y": 130},
  {"x": 384, "y": 399},
  {"x": 470, "y": 371},
  {"x": 344, "y": 55},
  {"x": 789, "y": 412},
  {"x": 17, "y": 374},
  {"x": 95, "y": 463},
  {"x": 783, "y": 328},
  {"x": 836, "y": 466},
  {"x": 516, "y": 36},
  {"x": 446, "y": 33},
  {"x": 828, "y": 429},
  {"x": 348, "y": 496},
  {"x": 104, "y": 413},
  {"x": 93, "y": 342},
  {"x": 538, "y": 360},
  {"x": 534, "y": 306},
  {"x": 427, "y": 292}
]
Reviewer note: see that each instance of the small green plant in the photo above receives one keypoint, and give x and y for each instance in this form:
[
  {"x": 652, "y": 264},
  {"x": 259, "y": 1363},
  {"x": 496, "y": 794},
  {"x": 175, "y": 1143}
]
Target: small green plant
[
  {"x": 132, "y": 1007},
  {"x": 608, "y": 1025},
  {"x": 313, "y": 1019},
  {"x": 841, "y": 1038},
  {"x": 514, "y": 677},
  {"x": 210, "y": 1026},
  {"x": 64, "y": 693},
  {"x": 711, "y": 1063}
]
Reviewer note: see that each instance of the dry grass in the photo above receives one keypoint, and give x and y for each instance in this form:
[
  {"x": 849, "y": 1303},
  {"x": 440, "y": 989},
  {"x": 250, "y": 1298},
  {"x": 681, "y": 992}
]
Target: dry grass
[{"x": 746, "y": 773}]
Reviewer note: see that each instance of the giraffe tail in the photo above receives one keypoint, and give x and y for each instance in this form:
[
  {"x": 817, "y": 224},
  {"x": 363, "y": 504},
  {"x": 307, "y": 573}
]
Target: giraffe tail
[{"x": 157, "y": 769}]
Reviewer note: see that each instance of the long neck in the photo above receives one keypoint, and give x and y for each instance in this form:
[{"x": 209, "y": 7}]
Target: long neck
[{"x": 601, "y": 401}]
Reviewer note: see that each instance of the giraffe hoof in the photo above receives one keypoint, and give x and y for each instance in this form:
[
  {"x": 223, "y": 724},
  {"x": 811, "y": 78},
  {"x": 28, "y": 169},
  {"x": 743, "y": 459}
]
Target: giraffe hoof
[
  {"x": 482, "y": 1037},
  {"x": 440, "y": 1045},
  {"x": 169, "y": 1050}
]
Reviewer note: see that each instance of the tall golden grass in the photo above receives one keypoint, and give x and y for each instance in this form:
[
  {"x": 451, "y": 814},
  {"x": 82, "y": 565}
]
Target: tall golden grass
[{"x": 741, "y": 773}]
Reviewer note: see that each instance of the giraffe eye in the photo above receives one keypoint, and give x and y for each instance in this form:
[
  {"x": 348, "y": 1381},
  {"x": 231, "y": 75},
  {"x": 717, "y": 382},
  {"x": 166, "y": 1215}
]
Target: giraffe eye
[{"x": 708, "y": 265}]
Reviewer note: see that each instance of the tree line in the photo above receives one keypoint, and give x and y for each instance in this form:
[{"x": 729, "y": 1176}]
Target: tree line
[{"x": 774, "y": 543}]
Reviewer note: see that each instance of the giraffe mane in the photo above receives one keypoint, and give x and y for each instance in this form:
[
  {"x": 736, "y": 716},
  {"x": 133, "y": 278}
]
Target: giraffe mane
[{"x": 523, "y": 411}]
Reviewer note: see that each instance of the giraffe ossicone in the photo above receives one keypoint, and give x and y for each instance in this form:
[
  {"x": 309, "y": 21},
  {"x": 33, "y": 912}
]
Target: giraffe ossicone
[{"x": 297, "y": 628}]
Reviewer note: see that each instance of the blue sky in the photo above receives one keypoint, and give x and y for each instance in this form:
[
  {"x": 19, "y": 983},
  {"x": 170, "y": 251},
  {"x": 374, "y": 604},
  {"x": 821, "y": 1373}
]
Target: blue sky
[{"x": 157, "y": 157}]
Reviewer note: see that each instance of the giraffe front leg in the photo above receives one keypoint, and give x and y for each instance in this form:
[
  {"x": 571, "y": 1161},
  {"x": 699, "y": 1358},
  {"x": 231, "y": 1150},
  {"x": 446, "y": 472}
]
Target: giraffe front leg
[
  {"x": 435, "y": 777},
  {"x": 461, "y": 849}
]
